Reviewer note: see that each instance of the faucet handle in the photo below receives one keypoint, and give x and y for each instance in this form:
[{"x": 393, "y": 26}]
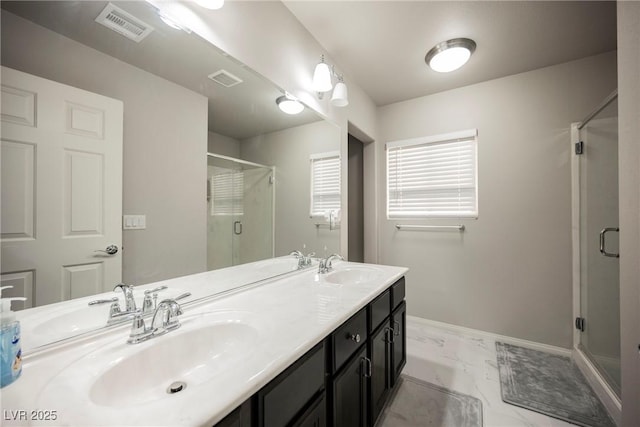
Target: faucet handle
[
  {"x": 114, "y": 310},
  {"x": 155, "y": 290},
  {"x": 151, "y": 298},
  {"x": 103, "y": 301},
  {"x": 139, "y": 331}
]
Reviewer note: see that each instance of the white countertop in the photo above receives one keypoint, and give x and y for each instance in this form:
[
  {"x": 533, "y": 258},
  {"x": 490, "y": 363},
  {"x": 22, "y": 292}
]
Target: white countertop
[
  {"x": 288, "y": 316},
  {"x": 53, "y": 322}
]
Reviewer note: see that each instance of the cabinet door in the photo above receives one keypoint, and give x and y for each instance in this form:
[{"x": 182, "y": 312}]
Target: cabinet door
[
  {"x": 350, "y": 393},
  {"x": 315, "y": 416},
  {"x": 399, "y": 353},
  {"x": 380, "y": 361}
]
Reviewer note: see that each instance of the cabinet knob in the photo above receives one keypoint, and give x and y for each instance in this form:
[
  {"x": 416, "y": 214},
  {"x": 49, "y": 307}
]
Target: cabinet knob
[{"x": 355, "y": 337}]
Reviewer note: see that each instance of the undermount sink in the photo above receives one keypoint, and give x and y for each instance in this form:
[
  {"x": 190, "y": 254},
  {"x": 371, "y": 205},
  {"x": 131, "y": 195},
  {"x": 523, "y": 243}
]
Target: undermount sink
[
  {"x": 202, "y": 349},
  {"x": 353, "y": 275}
]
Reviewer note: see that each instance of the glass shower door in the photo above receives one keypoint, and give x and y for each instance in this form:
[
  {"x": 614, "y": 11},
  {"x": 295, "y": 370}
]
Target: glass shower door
[
  {"x": 240, "y": 197},
  {"x": 599, "y": 262}
]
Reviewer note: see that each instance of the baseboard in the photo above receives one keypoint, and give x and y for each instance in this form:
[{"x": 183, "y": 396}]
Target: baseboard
[
  {"x": 483, "y": 334},
  {"x": 599, "y": 385}
]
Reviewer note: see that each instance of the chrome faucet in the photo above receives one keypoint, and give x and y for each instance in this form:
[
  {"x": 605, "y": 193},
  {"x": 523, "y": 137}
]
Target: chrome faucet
[
  {"x": 325, "y": 264},
  {"x": 116, "y": 315},
  {"x": 165, "y": 319},
  {"x": 303, "y": 260},
  {"x": 150, "y": 301},
  {"x": 130, "y": 302}
]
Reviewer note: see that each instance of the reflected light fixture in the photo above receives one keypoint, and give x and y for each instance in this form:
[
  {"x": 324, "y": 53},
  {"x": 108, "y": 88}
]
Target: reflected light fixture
[
  {"x": 450, "y": 55},
  {"x": 322, "y": 77},
  {"x": 210, "y": 4},
  {"x": 322, "y": 83},
  {"x": 289, "y": 105}
]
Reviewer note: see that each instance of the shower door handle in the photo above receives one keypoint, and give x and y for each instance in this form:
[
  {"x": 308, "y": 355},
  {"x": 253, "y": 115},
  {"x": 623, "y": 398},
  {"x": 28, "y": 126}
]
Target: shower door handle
[
  {"x": 237, "y": 227},
  {"x": 603, "y": 250}
]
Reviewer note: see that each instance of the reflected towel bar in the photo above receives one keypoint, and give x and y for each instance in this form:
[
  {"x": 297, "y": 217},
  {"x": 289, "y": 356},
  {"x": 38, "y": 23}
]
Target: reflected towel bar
[
  {"x": 431, "y": 227},
  {"x": 327, "y": 225}
]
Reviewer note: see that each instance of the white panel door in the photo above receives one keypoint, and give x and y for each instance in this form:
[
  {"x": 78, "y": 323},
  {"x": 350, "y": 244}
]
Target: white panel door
[{"x": 61, "y": 186}]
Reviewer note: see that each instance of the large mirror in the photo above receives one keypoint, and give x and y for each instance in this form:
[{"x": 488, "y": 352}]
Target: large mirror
[{"x": 212, "y": 174}]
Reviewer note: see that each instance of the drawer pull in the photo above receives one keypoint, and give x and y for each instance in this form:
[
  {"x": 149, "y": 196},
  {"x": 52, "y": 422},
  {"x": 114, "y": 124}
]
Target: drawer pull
[
  {"x": 354, "y": 337},
  {"x": 388, "y": 335},
  {"x": 367, "y": 371},
  {"x": 396, "y": 329}
]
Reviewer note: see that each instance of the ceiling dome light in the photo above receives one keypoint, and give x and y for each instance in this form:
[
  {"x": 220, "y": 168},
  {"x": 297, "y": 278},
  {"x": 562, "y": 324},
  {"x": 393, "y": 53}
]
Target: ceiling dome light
[
  {"x": 210, "y": 4},
  {"x": 450, "y": 55},
  {"x": 289, "y": 105}
]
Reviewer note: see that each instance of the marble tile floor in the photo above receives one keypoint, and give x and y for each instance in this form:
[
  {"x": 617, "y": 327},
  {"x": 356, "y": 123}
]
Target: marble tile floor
[{"x": 466, "y": 363}]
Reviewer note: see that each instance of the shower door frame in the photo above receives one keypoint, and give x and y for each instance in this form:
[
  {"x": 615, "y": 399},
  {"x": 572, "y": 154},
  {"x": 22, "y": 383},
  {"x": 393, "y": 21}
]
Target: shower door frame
[
  {"x": 599, "y": 383},
  {"x": 273, "y": 191}
]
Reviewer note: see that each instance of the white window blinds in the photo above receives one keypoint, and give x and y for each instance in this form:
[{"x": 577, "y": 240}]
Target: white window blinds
[
  {"x": 325, "y": 183},
  {"x": 228, "y": 189},
  {"x": 433, "y": 176}
]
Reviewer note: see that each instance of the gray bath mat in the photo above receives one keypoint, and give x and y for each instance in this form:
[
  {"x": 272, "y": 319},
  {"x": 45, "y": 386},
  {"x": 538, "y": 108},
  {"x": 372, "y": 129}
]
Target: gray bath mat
[
  {"x": 416, "y": 403},
  {"x": 550, "y": 384}
]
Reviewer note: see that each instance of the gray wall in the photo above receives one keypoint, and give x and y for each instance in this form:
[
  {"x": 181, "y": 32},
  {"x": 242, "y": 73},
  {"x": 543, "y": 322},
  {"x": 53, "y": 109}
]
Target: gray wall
[
  {"x": 289, "y": 152},
  {"x": 165, "y": 143},
  {"x": 629, "y": 178},
  {"x": 510, "y": 271},
  {"x": 223, "y": 145}
]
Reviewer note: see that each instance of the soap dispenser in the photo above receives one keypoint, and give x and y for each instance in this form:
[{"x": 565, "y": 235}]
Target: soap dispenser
[{"x": 10, "y": 350}]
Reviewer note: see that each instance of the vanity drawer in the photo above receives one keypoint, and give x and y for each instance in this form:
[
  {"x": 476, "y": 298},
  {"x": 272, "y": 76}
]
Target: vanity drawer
[
  {"x": 379, "y": 310},
  {"x": 348, "y": 338},
  {"x": 397, "y": 293},
  {"x": 291, "y": 391}
]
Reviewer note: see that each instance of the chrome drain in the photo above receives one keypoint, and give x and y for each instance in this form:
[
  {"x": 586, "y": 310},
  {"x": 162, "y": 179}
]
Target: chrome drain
[{"x": 176, "y": 387}]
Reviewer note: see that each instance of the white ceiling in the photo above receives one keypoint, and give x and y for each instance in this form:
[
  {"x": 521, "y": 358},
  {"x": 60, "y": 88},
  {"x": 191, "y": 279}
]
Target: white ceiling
[{"x": 381, "y": 45}]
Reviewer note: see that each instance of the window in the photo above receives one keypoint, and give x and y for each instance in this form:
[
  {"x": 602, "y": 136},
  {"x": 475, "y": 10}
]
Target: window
[
  {"x": 433, "y": 176},
  {"x": 325, "y": 183},
  {"x": 227, "y": 188}
]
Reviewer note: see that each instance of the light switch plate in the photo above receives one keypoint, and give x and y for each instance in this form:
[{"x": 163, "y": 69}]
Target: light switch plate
[{"x": 134, "y": 222}]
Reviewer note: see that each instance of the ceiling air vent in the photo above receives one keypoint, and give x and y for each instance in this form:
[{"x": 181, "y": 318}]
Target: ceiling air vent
[
  {"x": 123, "y": 23},
  {"x": 225, "y": 78}
]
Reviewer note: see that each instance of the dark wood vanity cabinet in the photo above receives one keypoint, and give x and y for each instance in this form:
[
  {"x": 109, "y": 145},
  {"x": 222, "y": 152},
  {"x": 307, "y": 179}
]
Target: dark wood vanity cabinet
[
  {"x": 349, "y": 397},
  {"x": 399, "y": 341},
  {"x": 387, "y": 345},
  {"x": 345, "y": 380},
  {"x": 380, "y": 381}
]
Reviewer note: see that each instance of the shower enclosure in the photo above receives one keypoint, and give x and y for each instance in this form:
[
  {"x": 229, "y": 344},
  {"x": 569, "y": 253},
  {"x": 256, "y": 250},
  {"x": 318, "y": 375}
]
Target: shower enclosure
[
  {"x": 596, "y": 241},
  {"x": 240, "y": 211}
]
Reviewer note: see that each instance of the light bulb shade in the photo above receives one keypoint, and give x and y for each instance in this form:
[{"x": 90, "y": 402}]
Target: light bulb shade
[
  {"x": 289, "y": 105},
  {"x": 340, "y": 97},
  {"x": 322, "y": 78},
  {"x": 210, "y": 4},
  {"x": 450, "y": 55}
]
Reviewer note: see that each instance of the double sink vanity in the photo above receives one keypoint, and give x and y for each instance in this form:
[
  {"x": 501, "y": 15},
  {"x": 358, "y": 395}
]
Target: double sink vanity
[{"x": 312, "y": 347}]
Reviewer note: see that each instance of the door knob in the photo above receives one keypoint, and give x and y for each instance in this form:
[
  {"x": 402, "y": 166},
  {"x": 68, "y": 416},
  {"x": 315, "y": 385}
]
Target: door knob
[{"x": 109, "y": 250}]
